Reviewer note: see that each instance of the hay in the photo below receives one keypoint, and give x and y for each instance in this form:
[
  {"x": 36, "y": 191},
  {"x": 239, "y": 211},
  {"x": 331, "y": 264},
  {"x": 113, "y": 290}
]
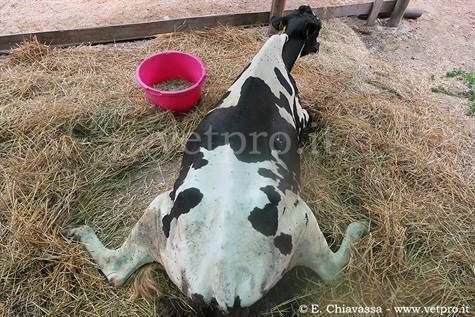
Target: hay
[
  {"x": 79, "y": 144},
  {"x": 172, "y": 85}
]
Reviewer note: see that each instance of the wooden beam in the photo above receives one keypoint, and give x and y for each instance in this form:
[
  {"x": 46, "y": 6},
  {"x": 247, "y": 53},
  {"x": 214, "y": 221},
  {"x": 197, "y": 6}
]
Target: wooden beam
[
  {"x": 137, "y": 31},
  {"x": 374, "y": 12},
  {"x": 352, "y": 9},
  {"x": 411, "y": 13},
  {"x": 398, "y": 12},
  {"x": 277, "y": 9},
  {"x": 125, "y": 32}
]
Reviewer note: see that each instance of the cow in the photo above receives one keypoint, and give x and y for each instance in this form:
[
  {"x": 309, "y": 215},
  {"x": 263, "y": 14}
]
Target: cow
[{"x": 234, "y": 222}]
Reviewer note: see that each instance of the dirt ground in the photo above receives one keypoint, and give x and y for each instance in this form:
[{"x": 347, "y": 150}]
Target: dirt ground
[
  {"x": 441, "y": 40},
  {"x": 38, "y": 15}
]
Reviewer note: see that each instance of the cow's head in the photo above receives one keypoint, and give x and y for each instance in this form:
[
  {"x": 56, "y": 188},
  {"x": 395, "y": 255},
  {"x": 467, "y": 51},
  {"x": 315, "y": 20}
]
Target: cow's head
[
  {"x": 301, "y": 24},
  {"x": 302, "y": 28}
]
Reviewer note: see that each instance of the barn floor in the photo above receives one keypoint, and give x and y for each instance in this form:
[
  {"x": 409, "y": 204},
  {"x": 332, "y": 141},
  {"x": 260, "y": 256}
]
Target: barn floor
[{"x": 78, "y": 144}]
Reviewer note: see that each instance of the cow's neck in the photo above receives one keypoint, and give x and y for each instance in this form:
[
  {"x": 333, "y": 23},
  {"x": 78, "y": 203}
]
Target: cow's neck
[{"x": 291, "y": 52}]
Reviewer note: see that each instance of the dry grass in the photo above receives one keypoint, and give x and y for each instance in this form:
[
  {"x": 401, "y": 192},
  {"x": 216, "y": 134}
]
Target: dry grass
[{"x": 79, "y": 144}]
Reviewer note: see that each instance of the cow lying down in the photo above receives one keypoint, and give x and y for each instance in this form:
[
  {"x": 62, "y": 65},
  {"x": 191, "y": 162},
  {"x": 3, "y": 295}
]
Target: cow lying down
[{"x": 234, "y": 222}]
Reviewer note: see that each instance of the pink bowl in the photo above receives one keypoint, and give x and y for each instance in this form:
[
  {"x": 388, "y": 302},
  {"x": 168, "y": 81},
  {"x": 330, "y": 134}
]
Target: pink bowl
[{"x": 167, "y": 66}]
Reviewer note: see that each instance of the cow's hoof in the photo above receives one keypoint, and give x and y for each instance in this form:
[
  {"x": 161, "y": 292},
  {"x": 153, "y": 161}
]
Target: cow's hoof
[
  {"x": 112, "y": 280},
  {"x": 77, "y": 233},
  {"x": 115, "y": 280},
  {"x": 71, "y": 234},
  {"x": 356, "y": 230}
]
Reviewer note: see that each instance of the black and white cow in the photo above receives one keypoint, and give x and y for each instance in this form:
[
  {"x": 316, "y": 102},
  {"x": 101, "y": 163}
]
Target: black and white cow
[{"x": 234, "y": 221}]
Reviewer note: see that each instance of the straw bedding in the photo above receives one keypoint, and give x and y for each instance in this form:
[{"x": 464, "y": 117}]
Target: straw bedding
[
  {"x": 79, "y": 144},
  {"x": 172, "y": 85}
]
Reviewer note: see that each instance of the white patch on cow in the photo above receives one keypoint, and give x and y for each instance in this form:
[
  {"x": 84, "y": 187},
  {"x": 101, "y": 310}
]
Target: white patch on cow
[{"x": 214, "y": 246}]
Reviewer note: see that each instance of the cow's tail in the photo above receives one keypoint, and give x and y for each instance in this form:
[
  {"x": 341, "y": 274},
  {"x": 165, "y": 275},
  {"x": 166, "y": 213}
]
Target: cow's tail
[{"x": 145, "y": 283}]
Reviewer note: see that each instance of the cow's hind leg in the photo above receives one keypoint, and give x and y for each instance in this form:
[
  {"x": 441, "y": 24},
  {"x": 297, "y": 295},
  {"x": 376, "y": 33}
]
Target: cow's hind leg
[
  {"x": 137, "y": 250},
  {"x": 317, "y": 255}
]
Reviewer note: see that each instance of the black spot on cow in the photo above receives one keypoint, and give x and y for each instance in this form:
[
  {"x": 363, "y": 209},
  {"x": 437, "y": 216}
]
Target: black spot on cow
[
  {"x": 296, "y": 202},
  {"x": 285, "y": 181},
  {"x": 289, "y": 179},
  {"x": 281, "y": 143},
  {"x": 306, "y": 219},
  {"x": 283, "y": 102},
  {"x": 237, "y": 126},
  {"x": 272, "y": 194},
  {"x": 186, "y": 200},
  {"x": 267, "y": 173},
  {"x": 283, "y": 242},
  {"x": 248, "y": 126},
  {"x": 265, "y": 220},
  {"x": 199, "y": 161},
  {"x": 282, "y": 80}
]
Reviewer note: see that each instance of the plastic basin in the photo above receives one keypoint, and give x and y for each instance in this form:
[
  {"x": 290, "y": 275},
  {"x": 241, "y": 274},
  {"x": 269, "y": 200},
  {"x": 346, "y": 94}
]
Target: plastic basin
[{"x": 170, "y": 65}]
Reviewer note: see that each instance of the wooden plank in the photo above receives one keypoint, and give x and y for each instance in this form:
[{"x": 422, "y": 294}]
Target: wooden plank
[
  {"x": 136, "y": 31},
  {"x": 277, "y": 9},
  {"x": 352, "y": 9},
  {"x": 374, "y": 12},
  {"x": 398, "y": 12}
]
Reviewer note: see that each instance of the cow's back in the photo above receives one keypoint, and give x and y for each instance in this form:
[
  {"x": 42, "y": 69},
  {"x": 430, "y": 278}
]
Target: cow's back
[{"x": 230, "y": 232}]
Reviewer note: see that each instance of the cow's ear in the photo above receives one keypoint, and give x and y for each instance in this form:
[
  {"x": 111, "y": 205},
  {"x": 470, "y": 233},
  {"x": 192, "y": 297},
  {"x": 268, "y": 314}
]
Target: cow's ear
[
  {"x": 305, "y": 9},
  {"x": 278, "y": 22}
]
